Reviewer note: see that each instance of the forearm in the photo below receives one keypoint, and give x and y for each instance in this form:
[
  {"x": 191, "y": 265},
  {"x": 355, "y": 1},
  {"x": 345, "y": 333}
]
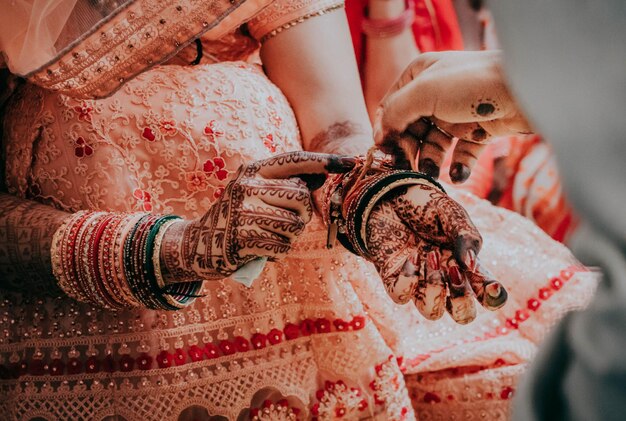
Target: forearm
[
  {"x": 26, "y": 231},
  {"x": 314, "y": 66},
  {"x": 386, "y": 56}
]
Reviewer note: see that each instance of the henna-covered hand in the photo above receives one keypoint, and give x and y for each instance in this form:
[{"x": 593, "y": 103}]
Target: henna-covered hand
[
  {"x": 425, "y": 248},
  {"x": 261, "y": 211},
  {"x": 445, "y": 95}
]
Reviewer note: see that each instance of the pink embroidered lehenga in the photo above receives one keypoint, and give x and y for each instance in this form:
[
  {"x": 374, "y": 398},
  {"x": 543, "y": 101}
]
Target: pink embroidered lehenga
[{"x": 316, "y": 335}]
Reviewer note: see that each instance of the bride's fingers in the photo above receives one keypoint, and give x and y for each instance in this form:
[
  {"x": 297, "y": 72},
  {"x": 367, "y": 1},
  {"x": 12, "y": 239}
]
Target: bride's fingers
[
  {"x": 460, "y": 304},
  {"x": 402, "y": 288},
  {"x": 261, "y": 243},
  {"x": 270, "y": 218},
  {"x": 430, "y": 296},
  {"x": 292, "y": 164},
  {"x": 489, "y": 292},
  {"x": 292, "y": 195}
]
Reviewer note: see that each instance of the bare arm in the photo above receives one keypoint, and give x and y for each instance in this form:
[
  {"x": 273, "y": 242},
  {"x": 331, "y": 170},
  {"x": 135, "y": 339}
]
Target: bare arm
[
  {"x": 26, "y": 230},
  {"x": 313, "y": 64}
]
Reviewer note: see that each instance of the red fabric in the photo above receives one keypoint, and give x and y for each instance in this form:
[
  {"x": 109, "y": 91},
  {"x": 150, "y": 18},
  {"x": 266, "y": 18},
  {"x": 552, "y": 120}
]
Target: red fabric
[{"x": 436, "y": 27}]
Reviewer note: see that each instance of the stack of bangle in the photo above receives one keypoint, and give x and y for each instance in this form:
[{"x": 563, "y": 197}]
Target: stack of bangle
[
  {"x": 113, "y": 261},
  {"x": 350, "y": 198}
]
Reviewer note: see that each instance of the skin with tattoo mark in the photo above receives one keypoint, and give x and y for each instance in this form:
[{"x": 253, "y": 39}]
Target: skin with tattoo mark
[
  {"x": 26, "y": 232},
  {"x": 424, "y": 246},
  {"x": 261, "y": 211}
]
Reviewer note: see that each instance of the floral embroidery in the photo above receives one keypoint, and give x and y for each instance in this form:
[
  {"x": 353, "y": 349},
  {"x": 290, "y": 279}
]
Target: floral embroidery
[
  {"x": 268, "y": 141},
  {"x": 168, "y": 127},
  {"x": 82, "y": 148},
  {"x": 388, "y": 386},
  {"x": 197, "y": 181},
  {"x": 216, "y": 167},
  {"x": 270, "y": 411},
  {"x": 148, "y": 134},
  {"x": 84, "y": 111},
  {"x": 213, "y": 130},
  {"x": 144, "y": 199},
  {"x": 337, "y": 401}
]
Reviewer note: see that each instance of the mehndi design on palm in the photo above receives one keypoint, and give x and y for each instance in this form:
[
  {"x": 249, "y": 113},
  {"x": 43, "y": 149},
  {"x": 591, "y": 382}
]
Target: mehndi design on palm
[{"x": 425, "y": 248}]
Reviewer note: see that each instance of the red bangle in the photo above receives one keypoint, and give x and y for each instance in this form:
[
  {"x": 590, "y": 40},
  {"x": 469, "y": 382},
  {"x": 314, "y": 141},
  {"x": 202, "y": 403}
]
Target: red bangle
[{"x": 385, "y": 28}]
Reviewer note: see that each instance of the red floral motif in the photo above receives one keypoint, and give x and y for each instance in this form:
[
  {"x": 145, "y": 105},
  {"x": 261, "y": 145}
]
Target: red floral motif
[
  {"x": 341, "y": 325},
  {"x": 431, "y": 397},
  {"x": 127, "y": 363},
  {"x": 144, "y": 199},
  {"x": 322, "y": 325},
  {"x": 534, "y": 304},
  {"x": 275, "y": 336},
  {"x": 81, "y": 148},
  {"x": 84, "y": 111},
  {"x": 74, "y": 366},
  {"x": 216, "y": 167},
  {"x": 57, "y": 367},
  {"x": 268, "y": 141},
  {"x": 227, "y": 347},
  {"x": 291, "y": 331},
  {"x": 241, "y": 344},
  {"x": 388, "y": 385},
  {"x": 179, "y": 357},
  {"x": 337, "y": 401},
  {"x": 168, "y": 127},
  {"x": 92, "y": 365},
  {"x": 507, "y": 392},
  {"x": 259, "y": 341},
  {"x": 144, "y": 362},
  {"x": 196, "y": 181},
  {"x": 545, "y": 293},
  {"x": 270, "y": 411},
  {"x": 195, "y": 353},
  {"x": 148, "y": 134},
  {"x": 358, "y": 322},
  {"x": 213, "y": 130},
  {"x": 165, "y": 359},
  {"x": 211, "y": 351}
]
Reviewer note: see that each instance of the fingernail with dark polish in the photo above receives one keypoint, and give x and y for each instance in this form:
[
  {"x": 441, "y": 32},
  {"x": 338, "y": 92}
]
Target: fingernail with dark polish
[
  {"x": 479, "y": 135},
  {"x": 459, "y": 173},
  {"x": 429, "y": 167}
]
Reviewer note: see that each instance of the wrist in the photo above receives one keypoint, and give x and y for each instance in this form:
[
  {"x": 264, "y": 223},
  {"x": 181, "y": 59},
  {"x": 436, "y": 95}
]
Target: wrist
[
  {"x": 386, "y": 9},
  {"x": 174, "y": 265}
]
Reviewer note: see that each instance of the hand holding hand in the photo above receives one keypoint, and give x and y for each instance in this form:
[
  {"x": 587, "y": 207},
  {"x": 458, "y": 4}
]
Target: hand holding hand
[
  {"x": 442, "y": 96},
  {"x": 259, "y": 214}
]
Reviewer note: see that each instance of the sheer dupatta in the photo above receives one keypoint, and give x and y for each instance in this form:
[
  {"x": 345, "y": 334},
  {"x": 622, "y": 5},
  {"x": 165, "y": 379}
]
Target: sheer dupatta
[{"x": 89, "y": 48}]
